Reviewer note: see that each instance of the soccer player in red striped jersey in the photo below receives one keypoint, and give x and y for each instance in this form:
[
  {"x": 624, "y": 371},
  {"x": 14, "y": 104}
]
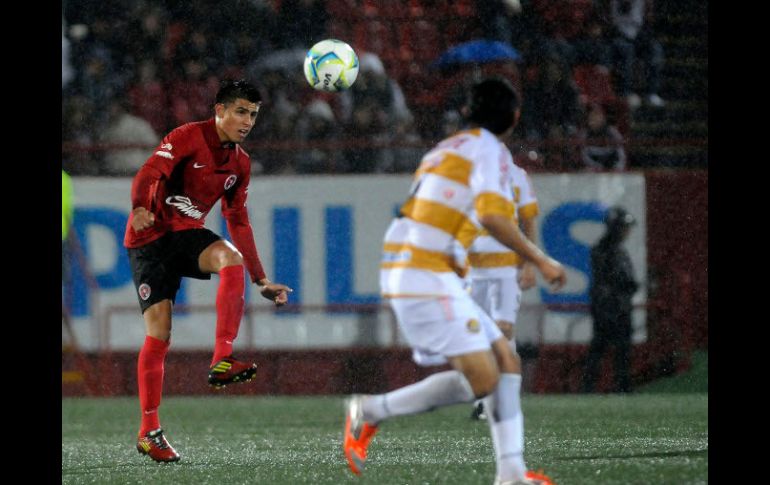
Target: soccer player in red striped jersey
[{"x": 195, "y": 165}]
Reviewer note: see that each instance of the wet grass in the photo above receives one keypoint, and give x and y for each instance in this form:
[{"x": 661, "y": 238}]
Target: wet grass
[{"x": 576, "y": 439}]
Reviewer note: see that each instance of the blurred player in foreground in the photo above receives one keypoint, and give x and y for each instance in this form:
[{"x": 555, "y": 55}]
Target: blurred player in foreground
[
  {"x": 194, "y": 166},
  {"x": 464, "y": 178},
  {"x": 499, "y": 275}
]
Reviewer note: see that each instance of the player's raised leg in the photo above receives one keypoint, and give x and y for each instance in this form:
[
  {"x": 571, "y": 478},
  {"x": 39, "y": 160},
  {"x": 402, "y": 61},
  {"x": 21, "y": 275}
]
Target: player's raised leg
[{"x": 223, "y": 258}]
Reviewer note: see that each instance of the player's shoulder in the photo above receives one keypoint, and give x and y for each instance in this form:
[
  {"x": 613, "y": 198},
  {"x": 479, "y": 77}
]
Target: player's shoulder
[
  {"x": 518, "y": 172},
  {"x": 187, "y": 130},
  {"x": 466, "y": 143}
]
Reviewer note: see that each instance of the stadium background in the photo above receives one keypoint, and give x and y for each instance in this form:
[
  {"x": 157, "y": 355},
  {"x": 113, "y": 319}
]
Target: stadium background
[{"x": 327, "y": 237}]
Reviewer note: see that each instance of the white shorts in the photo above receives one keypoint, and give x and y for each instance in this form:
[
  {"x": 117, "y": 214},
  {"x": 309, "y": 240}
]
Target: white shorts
[
  {"x": 437, "y": 328},
  {"x": 499, "y": 297}
]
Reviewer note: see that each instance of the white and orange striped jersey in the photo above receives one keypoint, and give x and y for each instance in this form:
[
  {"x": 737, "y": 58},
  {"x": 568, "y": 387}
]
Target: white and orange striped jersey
[
  {"x": 487, "y": 257},
  {"x": 464, "y": 177}
]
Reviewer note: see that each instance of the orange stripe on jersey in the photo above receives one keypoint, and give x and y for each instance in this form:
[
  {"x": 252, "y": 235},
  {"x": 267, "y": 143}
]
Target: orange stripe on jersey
[
  {"x": 467, "y": 233},
  {"x": 451, "y": 166},
  {"x": 397, "y": 255},
  {"x": 529, "y": 211},
  {"x": 434, "y": 214},
  {"x": 488, "y": 203},
  {"x": 472, "y": 131},
  {"x": 494, "y": 260}
]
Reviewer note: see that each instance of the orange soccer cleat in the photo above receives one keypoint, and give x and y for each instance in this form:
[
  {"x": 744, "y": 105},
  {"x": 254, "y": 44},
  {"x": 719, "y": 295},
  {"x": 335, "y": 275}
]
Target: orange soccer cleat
[
  {"x": 156, "y": 446},
  {"x": 530, "y": 478},
  {"x": 229, "y": 370},
  {"x": 358, "y": 435},
  {"x": 538, "y": 478}
]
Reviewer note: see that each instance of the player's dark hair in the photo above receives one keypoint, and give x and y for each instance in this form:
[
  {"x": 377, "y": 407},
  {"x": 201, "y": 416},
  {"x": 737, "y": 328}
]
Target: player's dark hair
[
  {"x": 230, "y": 90},
  {"x": 492, "y": 104}
]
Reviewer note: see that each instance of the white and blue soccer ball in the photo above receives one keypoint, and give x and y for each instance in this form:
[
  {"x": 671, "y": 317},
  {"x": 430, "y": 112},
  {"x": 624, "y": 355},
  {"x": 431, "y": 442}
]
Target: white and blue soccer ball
[{"x": 331, "y": 65}]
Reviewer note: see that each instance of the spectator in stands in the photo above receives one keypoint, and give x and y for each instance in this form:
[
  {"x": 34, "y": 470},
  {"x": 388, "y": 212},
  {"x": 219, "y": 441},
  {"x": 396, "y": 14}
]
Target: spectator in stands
[
  {"x": 405, "y": 155},
  {"x": 373, "y": 85},
  {"x": 191, "y": 91},
  {"x": 495, "y": 18},
  {"x": 97, "y": 81},
  {"x": 147, "y": 94},
  {"x": 551, "y": 110},
  {"x": 147, "y": 31},
  {"x": 67, "y": 71},
  {"x": 231, "y": 32},
  {"x": 612, "y": 286},
  {"x": 78, "y": 131},
  {"x": 278, "y": 127},
  {"x": 601, "y": 143},
  {"x": 591, "y": 45},
  {"x": 366, "y": 132},
  {"x": 125, "y": 128},
  {"x": 633, "y": 39},
  {"x": 552, "y": 100},
  {"x": 317, "y": 124}
]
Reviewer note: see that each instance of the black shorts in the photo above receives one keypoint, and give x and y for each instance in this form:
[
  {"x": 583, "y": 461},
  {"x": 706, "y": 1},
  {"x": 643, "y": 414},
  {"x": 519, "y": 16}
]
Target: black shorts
[{"x": 158, "y": 267}]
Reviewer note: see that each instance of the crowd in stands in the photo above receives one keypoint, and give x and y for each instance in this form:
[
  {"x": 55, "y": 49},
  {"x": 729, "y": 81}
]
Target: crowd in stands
[{"x": 132, "y": 70}]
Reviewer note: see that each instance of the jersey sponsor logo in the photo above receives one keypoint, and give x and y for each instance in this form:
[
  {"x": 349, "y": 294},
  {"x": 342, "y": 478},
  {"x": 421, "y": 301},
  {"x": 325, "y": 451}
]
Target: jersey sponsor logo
[
  {"x": 185, "y": 206},
  {"x": 144, "y": 291},
  {"x": 473, "y": 325},
  {"x": 167, "y": 146},
  {"x": 230, "y": 181},
  {"x": 449, "y": 193},
  {"x": 165, "y": 155},
  {"x": 195, "y": 165}
]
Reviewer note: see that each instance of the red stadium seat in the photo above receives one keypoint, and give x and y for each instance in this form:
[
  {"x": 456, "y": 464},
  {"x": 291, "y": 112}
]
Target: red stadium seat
[
  {"x": 594, "y": 82},
  {"x": 342, "y": 9},
  {"x": 421, "y": 38},
  {"x": 376, "y": 37}
]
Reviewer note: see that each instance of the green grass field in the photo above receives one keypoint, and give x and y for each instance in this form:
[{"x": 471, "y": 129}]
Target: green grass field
[{"x": 576, "y": 439}]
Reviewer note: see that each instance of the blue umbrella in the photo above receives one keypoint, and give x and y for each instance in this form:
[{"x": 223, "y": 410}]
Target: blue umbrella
[{"x": 478, "y": 52}]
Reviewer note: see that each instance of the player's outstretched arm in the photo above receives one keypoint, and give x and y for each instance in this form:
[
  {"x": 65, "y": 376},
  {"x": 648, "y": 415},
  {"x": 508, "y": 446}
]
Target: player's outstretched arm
[{"x": 505, "y": 231}]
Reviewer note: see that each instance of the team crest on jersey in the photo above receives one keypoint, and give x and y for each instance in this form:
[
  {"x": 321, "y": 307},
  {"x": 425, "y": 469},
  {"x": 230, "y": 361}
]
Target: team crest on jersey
[
  {"x": 230, "y": 181},
  {"x": 449, "y": 193},
  {"x": 144, "y": 291},
  {"x": 473, "y": 325}
]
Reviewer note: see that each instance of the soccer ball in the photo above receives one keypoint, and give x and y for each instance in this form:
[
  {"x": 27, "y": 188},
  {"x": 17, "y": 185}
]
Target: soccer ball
[{"x": 331, "y": 65}]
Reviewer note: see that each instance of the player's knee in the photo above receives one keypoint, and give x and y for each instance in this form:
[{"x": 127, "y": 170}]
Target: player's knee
[
  {"x": 228, "y": 257},
  {"x": 485, "y": 384}
]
